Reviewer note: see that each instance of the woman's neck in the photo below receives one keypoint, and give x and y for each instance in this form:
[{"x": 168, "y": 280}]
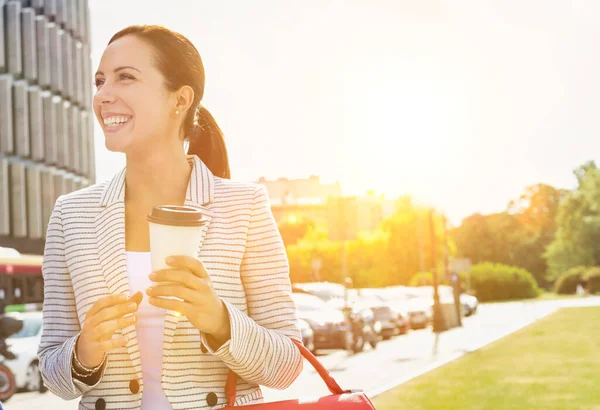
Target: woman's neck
[{"x": 157, "y": 178}]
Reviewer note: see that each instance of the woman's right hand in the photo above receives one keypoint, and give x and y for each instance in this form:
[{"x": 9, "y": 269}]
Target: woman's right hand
[{"x": 105, "y": 317}]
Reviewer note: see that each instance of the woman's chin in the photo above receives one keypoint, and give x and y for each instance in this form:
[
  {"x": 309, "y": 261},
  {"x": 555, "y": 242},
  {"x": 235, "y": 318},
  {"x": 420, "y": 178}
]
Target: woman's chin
[{"x": 114, "y": 144}]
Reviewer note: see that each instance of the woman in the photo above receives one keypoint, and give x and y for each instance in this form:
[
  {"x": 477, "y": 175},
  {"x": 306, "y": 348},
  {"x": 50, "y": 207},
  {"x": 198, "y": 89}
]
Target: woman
[{"x": 102, "y": 340}]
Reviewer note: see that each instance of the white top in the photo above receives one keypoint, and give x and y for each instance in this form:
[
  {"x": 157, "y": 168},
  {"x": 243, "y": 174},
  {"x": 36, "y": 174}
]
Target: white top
[{"x": 150, "y": 330}]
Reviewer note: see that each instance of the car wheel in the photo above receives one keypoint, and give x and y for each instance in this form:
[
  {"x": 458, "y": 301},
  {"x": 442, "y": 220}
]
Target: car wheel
[
  {"x": 8, "y": 385},
  {"x": 374, "y": 339},
  {"x": 359, "y": 344},
  {"x": 310, "y": 345},
  {"x": 34, "y": 378}
]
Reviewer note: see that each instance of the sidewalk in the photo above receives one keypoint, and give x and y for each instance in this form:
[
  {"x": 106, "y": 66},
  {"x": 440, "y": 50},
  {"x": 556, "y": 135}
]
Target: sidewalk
[{"x": 407, "y": 357}]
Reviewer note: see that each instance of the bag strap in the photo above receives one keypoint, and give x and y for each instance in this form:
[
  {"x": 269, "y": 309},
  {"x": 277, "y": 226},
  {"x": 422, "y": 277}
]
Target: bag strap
[{"x": 231, "y": 384}]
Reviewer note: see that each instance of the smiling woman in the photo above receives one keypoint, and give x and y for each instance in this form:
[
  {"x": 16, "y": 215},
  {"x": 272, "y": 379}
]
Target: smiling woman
[{"x": 206, "y": 314}]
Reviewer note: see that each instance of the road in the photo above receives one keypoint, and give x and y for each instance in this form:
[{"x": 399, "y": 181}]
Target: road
[{"x": 392, "y": 362}]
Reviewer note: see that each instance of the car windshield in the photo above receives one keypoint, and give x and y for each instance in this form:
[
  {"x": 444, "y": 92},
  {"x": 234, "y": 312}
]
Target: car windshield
[
  {"x": 31, "y": 327},
  {"x": 392, "y": 295},
  {"x": 327, "y": 291},
  {"x": 308, "y": 302}
]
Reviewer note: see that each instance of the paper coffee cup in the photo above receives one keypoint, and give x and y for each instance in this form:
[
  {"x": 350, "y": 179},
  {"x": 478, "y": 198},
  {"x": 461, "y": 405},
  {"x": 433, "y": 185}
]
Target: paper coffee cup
[{"x": 174, "y": 230}]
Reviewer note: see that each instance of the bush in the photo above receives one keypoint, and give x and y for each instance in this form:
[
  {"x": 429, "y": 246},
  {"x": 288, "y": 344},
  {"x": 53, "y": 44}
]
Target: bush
[
  {"x": 567, "y": 283},
  {"x": 592, "y": 277},
  {"x": 494, "y": 282}
]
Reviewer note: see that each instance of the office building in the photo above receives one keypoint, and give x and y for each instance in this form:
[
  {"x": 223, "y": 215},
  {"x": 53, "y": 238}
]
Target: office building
[{"x": 46, "y": 119}]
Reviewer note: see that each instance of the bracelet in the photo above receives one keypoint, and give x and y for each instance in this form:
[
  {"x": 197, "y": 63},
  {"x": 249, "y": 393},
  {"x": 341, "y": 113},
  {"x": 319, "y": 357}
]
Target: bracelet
[
  {"x": 84, "y": 376},
  {"x": 79, "y": 366},
  {"x": 86, "y": 370}
]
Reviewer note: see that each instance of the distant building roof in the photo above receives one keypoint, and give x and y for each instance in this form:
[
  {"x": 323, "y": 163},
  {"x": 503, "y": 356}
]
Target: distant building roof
[{"x": 308, "y": 191}]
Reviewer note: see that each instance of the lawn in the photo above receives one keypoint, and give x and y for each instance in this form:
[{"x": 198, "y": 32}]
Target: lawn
[
  {"x": 543, "y": 296},
  {"x": 551, "y": 364}
]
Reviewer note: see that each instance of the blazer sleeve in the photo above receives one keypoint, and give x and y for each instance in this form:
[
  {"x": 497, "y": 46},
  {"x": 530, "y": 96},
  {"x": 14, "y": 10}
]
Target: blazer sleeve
[
  {"x": 60, "y": 322},
  {"x": 260, "y": 349}
]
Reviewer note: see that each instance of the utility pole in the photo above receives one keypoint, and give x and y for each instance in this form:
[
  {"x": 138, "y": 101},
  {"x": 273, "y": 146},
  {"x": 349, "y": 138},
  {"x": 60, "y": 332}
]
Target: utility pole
[
  {"x": 438, "y": 319},
  {"x": 342, "y": 228},
  {"x": 421, "y": 253},
  {"x": 452, "y": 275}
]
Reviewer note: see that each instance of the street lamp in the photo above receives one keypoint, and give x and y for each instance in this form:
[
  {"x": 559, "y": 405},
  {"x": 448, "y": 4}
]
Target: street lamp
[{"x": 439, "y": 324}]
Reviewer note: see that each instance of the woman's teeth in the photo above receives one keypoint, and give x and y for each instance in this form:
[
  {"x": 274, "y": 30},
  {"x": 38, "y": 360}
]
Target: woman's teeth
[{"x": 114, "y": 121}]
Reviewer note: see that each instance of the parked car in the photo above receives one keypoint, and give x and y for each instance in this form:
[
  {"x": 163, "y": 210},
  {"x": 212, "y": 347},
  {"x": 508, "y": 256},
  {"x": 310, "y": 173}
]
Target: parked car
[
  {"x": 24, "y": 346},
  {"x": 383, "y": 314},
  {"x": 328, "y": 325},
  {"x": 308, "y": 335},
  {"x": 469, "y": 304},
  {"x": 8, "y": 327},
  {"x": 365, "y": 328},
  {"x": 412, "y": 310},
  {"x": 326, "y": 291}
]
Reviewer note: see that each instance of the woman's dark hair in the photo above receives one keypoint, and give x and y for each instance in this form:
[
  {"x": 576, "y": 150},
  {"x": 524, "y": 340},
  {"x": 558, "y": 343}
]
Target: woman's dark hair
[{"x": 180, "y": 64}]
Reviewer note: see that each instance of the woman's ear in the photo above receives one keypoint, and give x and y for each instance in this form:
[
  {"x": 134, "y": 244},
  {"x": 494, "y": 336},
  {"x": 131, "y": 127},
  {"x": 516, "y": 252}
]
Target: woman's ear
[{"x": 185, "y": 98}]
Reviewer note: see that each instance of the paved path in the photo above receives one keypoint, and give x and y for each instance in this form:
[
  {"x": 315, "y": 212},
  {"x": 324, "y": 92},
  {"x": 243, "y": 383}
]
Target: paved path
[{"x": 392, "y": 362}]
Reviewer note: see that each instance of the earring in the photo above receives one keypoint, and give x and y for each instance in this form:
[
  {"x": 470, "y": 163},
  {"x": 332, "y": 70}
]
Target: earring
[{"x": 177, "y": 112}]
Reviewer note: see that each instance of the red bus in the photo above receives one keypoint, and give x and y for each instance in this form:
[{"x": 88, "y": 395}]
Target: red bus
[{"x": 21, "y": 280}]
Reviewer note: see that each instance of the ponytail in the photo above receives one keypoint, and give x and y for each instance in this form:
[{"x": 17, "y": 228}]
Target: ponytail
[{"x": 206, "y": 141}]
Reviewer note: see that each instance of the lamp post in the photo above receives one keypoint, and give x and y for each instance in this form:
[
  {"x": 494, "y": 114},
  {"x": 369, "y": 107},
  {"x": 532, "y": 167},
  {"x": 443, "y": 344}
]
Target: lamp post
[
  {"x": 438, "y": 319},
  {"x": 452, "y": 275}
]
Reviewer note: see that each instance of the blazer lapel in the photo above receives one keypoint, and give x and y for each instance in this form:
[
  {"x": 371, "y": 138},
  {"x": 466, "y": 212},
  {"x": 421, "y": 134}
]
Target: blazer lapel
[
  {"x": 110, "y": 238},
  {"x": 200, "y": 193}
]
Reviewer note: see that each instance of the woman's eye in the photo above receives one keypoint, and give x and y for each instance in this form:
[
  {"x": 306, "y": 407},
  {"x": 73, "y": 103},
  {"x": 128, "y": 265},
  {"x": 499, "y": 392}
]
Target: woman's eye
[
  {"x": 98, "y": 82},
  {"x": 126, "y": 77}
]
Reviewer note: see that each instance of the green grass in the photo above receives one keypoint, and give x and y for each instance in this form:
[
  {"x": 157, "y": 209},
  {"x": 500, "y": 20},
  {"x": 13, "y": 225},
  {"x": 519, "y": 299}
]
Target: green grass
[
  {"x": 542, "y": 296},
  {"x": 551, "y": 364}
]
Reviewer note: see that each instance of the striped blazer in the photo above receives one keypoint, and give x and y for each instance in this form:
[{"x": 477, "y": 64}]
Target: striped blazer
[{"x": 241, "y": 248}]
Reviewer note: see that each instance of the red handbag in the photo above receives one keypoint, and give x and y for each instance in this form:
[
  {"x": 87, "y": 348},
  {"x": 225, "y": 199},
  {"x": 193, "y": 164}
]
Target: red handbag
[{"x": 338, "y": 399}]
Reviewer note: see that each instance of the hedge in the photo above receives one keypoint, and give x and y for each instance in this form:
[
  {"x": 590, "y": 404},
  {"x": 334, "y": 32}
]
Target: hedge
[
  {"x": 566, "y": 284},
  {"x": 496, "y": 282},
  {"x": 592, "y": 277}
]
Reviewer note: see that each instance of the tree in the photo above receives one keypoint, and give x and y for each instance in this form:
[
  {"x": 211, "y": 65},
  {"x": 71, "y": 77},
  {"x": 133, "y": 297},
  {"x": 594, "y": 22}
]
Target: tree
[
  {"x": 404, "y": 228},
  {"x": 315, "y": 245},
  {"x": 369, "y": 261},
  {"x": 518, "y": 237},
  {"x": 388, "y": 256},
  {"x": 578, "y": 224},
  {"x": 294, "y": 228}
]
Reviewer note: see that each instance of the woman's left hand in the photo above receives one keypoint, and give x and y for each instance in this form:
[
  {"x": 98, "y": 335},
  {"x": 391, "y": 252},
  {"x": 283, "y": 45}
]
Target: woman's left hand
[{"x": 189, "y": 281}]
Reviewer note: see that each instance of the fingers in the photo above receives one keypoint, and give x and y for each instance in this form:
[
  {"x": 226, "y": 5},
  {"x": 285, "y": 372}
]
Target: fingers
[
  {"x": 105, "y": 302},
  {"x": 176, "y": 276},
  {"x": 111, "y": 312},
  {"x": 106, "y": 330},
  {"x": 137, "y": 297},
  {"x": 178, "y": 291},
  {"x": 108, "y": 345},
  {"x": 188, "y": 263},
  {"x": 169, "y": 304}
]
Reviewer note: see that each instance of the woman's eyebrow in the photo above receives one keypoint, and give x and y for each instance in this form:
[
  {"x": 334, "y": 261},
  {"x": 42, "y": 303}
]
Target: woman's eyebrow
[{"x": 119, "y": 69}]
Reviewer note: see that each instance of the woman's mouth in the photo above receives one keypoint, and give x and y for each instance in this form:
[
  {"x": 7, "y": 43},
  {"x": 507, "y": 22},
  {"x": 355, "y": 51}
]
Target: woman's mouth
[{"x": 116, "y": 123}]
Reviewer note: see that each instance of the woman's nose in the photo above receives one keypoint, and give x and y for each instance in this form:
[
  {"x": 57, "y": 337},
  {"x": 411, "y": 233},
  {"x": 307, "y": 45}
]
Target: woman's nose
[{"x": 104, "y": 95}]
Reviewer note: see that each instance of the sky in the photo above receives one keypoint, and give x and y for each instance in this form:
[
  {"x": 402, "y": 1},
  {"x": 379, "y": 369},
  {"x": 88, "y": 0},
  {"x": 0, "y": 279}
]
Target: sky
[{"x": 460, "y": 104}]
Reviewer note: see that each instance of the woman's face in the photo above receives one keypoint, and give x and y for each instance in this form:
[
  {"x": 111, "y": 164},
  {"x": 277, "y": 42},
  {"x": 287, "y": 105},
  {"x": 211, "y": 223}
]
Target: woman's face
[{"x": 132, "y": 104}]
